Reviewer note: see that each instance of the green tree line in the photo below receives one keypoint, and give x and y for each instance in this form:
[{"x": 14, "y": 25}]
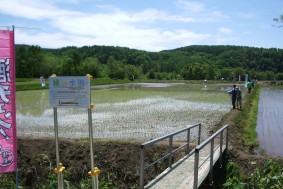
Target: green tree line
[{"x": 197, "y": 62}]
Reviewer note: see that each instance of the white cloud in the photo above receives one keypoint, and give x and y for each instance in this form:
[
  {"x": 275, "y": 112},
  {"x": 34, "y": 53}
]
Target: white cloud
[
  {"x": 226, "y": 40},
  {"x": 192, "y": 6},
  {"x": 149, "y": 39},
  {"x": 112, "y": 26},
  {"x": 224, "y": 30},
  {"x": 247, "y": 15},
  {"x": 42, "y": 39},
  {"x": 200, "y": 12},
  {"x": 35, "y": 10}
]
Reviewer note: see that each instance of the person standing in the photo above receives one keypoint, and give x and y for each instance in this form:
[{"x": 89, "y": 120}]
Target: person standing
[
  {"x": 239, "y": 98},
  {"x": 233, "y": 92},
  {"x": 249, "y": 85}
]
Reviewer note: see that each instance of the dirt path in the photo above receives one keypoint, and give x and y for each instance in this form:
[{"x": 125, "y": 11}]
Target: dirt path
[{"x": 269, "y": 123}]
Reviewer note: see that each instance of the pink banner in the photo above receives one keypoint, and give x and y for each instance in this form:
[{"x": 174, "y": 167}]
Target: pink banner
[{"x": 8, "y": 132}]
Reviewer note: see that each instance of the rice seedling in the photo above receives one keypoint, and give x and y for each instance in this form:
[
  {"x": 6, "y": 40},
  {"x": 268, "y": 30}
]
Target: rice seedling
[{"x": 136, "y": 111}]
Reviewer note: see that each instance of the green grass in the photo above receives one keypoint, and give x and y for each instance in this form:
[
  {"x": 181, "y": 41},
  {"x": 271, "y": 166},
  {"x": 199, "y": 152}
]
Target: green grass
[
  {"x": 270, "y": 176},
  {"x": 106, "y": 81},
  {"x": 23, "y": 84},
  {"x": 247, "y": 119}
]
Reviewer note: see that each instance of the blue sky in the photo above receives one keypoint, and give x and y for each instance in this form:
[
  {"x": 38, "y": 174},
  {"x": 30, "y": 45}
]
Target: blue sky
[{"x": 151, "y": 25}]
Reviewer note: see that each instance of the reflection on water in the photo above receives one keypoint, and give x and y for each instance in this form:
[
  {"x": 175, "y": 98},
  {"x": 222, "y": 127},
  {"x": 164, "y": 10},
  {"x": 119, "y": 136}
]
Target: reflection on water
[
  {"x": 32, "y": 102},
  {"x": 136, "y": 111}
]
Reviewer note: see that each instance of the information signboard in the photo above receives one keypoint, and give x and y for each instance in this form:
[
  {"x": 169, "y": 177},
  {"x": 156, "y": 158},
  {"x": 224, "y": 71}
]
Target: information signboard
[{"x": 69, "y": 92}]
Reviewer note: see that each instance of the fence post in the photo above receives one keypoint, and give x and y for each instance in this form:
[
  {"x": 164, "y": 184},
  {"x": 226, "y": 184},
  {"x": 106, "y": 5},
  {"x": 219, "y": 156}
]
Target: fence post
[
  {"x": 211, "y": 161},
  {"x": 170, "y": 151},
  {"x": 188, "y": 140},
  {"x": 142, "y": 168},
  {"x": 196, "y": 168}
]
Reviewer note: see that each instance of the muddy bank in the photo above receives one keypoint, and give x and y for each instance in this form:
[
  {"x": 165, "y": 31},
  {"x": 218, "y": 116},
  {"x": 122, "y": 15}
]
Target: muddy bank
[{"x": 118, "y": 162}]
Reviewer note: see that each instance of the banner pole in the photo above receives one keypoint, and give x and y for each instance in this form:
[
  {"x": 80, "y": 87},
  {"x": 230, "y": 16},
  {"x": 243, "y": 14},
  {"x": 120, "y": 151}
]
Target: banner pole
[
  {"x": 17, "y": 179},
  {"x": 60, "y": 176},
  {"x": 14, "y": 60}
]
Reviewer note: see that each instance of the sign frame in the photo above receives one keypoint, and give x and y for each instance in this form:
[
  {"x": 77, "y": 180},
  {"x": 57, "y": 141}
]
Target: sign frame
[{"x": 69, "y": 92}]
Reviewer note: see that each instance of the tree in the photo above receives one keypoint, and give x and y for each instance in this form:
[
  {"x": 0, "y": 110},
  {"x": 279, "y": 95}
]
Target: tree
[
  {"x": 22, "y": 68},
  {"x": 90, "y": 66},
  {"x": 192, "y": 62},
  {"x": 239, "y": 72},
  {"x": 279, "y": 21},
  {"x": 50, "y": 65},
  {"x": 131, "y": 72},
  {"x": 116, "y": 68}
]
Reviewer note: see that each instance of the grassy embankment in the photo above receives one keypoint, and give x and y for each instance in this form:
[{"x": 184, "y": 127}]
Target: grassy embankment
[
  {"x": 23, "y": 84},
  {"x": 247, "y": 118},
  {"x": 268, "y": 176}
]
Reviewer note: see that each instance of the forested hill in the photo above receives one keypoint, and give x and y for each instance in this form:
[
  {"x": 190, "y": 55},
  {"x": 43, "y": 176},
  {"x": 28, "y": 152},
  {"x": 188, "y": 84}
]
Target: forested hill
[{"x": 191, "y": 62}]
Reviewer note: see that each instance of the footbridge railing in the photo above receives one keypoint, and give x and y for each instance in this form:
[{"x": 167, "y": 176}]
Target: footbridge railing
[
  {"x": 215, "y": 153},
  {"x": 170, "y": 153},
  {"x": 188, "y": 172}
]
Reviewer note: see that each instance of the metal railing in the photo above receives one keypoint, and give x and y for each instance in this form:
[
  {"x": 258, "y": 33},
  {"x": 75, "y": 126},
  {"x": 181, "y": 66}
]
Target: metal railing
[
  {"x": 170, "y": 153},
  {"x": 211, "y": 141}
]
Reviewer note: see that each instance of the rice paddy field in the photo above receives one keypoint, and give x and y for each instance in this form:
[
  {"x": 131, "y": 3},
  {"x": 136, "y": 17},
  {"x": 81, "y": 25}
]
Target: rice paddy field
[{"x": 137, "y": 111}]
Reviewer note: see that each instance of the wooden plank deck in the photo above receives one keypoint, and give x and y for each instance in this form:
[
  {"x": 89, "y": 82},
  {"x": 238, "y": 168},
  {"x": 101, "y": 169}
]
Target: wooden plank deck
[{"x": 181, "y": 175}]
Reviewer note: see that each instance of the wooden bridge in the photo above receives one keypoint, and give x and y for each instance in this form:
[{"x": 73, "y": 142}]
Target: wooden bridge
[{"x": 191, "y": 170}]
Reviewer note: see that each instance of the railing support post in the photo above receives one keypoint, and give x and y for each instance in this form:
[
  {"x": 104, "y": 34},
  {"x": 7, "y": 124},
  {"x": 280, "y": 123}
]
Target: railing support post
[
  {"x": 199, "y": 133},
  {"x": 170, "y": 151},
  {"x": 211, "y": 162},
  {"x": 227, "y": 139},
  {"x": 188, "y": 140},
  {"x": 221, "y": 144},
  {"x": 196, "y": 168},
  {"x": 142, "y": 168}
]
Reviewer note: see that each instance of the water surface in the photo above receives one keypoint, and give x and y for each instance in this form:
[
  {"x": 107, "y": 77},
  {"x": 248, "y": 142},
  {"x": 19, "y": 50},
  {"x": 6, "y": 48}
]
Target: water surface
[
  {"x": 269, "y": 122},
  {"x": 139, "y": 111}
]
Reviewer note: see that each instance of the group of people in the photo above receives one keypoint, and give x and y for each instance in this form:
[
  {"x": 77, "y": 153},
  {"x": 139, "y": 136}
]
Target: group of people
[
  {"x": 236, "y": 93},
  {"x": 236, "y": 97}
]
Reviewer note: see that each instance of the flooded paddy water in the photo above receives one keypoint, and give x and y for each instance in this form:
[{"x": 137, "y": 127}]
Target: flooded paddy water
[
  {"x": 139, "y": 111},
  {"x": 269, "y": 122}
]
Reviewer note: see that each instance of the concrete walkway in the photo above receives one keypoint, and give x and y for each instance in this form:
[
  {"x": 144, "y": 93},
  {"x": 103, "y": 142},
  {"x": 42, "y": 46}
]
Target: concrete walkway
[{"x": 269, "y": 122}]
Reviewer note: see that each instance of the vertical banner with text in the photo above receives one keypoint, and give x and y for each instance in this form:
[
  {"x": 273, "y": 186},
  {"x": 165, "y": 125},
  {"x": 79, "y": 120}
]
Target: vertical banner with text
[{"x": 8, "y": 132}]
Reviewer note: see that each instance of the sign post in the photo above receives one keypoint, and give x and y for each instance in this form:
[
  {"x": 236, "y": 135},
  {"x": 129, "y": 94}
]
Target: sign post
[
  {"x": 72, "y": 92},
  {"x": 91, "y": 145},
  {"x": 57, "y": 169}
]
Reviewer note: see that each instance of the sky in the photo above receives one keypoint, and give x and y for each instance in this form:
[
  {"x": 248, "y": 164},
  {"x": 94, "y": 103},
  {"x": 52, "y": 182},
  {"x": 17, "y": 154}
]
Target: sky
[{"x": 150, "y": 25}]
